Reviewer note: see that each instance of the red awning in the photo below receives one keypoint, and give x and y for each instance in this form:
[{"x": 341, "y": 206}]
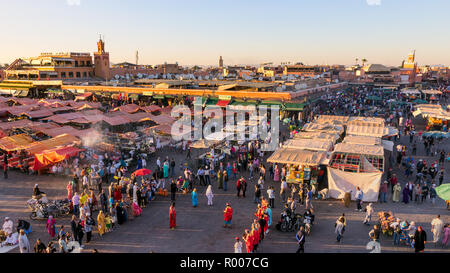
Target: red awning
[
  {"x": 50, "y": 157},
  {"x": 223, "y": 103}
]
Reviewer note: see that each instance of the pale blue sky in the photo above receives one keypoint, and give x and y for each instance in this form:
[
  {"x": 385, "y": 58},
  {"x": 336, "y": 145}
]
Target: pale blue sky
[{"x": 242, "y": 31}]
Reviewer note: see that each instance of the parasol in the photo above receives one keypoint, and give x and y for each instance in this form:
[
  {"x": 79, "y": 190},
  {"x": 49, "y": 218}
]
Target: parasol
[
  {"x": 443, "y": 191},
  {"x": 142, "y": 172}
]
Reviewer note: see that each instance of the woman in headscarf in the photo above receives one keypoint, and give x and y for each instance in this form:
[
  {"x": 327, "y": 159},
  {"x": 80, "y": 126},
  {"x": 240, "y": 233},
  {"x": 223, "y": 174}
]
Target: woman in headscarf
[
  {"x": 172, "y": 216},
  {"x": 276, "y": 175},
  {"x": 406, "y": 195},
  {"x": 396, "y": 193},
  {"x": 194, "y": 198},
  {"x": 166, "y": 169},
  {"x": 420, "y": 239},
  {"x": 24, "y": 244},
  {"x": 119, "y": 212},
  {"x": 209, "y": 195},
  {"x": 51, "y": 223},
  {"x": 101, "y": 223}
]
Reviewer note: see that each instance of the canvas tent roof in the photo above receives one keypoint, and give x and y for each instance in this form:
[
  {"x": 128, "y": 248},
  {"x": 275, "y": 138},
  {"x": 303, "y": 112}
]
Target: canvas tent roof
[
  {"x": 324, "y": 127},
  {"x": 365, "y": 120},
  {"x": 308, "y": 144},
  {"x": 317, "y": 135},
  {"x": 366, "y": 140},
  {"x": 410, "y": 91},
  {"x": 331, "y": 118},
  {"x": 16, "y": 142},
  {"x": 367, "y": 130},
  {"x": 359, "y": 149},
  {"x": 297, "y": 157}
]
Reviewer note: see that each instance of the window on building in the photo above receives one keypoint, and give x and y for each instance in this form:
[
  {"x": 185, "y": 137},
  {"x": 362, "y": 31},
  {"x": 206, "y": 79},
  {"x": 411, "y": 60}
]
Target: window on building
[
  {"x": 88, "y": 63},
  {"x": 63, "y": 74},
  {"x": 81, "y": 63},
  {"x": 78, "y": 74},
  {"x": 70, "y": 74},
  {"x": 84, "y": 75},
  {"x": 76, "y": 63}
]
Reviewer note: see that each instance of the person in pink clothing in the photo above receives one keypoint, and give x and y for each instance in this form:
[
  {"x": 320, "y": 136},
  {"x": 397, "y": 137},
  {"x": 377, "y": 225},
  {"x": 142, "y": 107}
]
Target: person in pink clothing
[
  {"x": 69, "y": 190},
  {"x": 51, "y": 223},
  {"x": 276, "y": 175},
  {"x": 446, "y": 238}
]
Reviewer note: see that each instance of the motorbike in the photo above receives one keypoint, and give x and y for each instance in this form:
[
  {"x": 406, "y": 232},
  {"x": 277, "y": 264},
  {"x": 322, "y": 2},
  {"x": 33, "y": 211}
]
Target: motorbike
[
  {"x": 289, "y": 222},
  {"x": 41, "y": 210}
]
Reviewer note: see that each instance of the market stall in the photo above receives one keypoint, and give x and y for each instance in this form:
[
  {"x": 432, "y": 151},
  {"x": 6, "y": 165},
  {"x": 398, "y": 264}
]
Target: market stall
[
  {"x": 302, "y": 164},
  {"x": 354, "y": 165}
]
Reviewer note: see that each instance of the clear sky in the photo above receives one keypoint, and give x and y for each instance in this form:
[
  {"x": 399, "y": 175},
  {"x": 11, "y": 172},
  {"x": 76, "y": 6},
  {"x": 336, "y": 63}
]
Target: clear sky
[{"x": 242, "y": 31}]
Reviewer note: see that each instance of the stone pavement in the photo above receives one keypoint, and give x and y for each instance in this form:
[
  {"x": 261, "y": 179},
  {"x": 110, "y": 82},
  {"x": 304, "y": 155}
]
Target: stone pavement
[{"x": 201, "y": 229}]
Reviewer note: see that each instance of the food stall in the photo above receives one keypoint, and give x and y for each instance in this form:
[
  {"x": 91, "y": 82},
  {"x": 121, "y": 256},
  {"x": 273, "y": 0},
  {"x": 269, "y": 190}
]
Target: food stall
[{"x": 302, "y": 164}]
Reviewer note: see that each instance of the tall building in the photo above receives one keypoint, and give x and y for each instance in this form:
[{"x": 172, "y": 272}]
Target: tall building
[
  {"x": 101, "y": 61},
  {"x": 220, "y": 62}
]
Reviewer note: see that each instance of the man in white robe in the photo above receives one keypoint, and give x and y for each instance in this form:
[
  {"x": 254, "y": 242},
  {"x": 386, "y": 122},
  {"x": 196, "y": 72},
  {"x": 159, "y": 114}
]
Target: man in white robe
[{"x": 437, "y": 226}]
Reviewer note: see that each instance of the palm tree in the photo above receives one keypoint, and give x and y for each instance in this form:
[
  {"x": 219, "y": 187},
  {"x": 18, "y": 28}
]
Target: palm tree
[
  {"x": 363, "y": 61},
  {"x": 356, "y": 59}
]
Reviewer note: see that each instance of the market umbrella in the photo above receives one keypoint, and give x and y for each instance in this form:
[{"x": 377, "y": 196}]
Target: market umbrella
[
  {"x": 142, "y": 172},
  {"x": 443, "y": 191},
  {"x": 433, "y": 98}
]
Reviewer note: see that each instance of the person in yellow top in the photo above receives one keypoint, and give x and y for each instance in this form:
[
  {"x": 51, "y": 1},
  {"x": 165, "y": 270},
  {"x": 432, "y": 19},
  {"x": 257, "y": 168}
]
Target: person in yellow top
[
  {"x": 101, "y": 222},
  {"x": 108, "y": 221},
  {"x": 84, "y": 197}
]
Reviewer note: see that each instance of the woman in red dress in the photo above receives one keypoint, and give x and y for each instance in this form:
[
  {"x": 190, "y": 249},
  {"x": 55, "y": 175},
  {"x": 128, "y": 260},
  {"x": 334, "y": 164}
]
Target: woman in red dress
[{"x": 172, "y": 216}]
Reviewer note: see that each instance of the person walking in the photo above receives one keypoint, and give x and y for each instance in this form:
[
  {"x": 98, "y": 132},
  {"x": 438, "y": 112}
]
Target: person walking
[
  {"x": 244, "y": 186},
  {"x": 300, "y": 236},
  {"x": 339, "y": 229},
  {"x": 271, "y": 195},
  {"x": 228, "y": 215},
  {"x": 76, "y": 204},
  {"x": 238, "y": 246},
  {"x": 51, "y": 226},
  {"x": 101, "y": 223},
  {"x": 396, "y": 193},
  {"x": 359, "y": 196},
  {"x": 437, "y": 227},
  {"x": 24, "y": 244},
  {"x": 369, "y": 213},
  {"x": 172, "y": 217},
  {"x": 383, "y": 191},
  {"x": 283, "y": 191},
  {"x": 420, "y": 239},
  {"x": 88, "y": 226},
  {"x": 238, "y": 187},
  {"x": 173, "y": 190},
  {"x": 257, "y": 194},
  {"x": 195, "y": 198},
  {"x": 209, "y": 195},
  {"x": 374, "y": 234},
  {"x": 80, "y": 233}
]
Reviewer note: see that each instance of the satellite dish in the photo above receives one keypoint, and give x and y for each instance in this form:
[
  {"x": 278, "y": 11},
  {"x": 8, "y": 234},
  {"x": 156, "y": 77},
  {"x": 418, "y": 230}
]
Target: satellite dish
[
  {"x": 117, "y": 77},
  {"x": 164, "y": 76},
  {"x": 273, "y": 78},
  {"x": 260, "y": 78},
  {"x": 283, "y": 87},
  {"x": 279, "y": 89},
  {"x": 207, "y": 77},
  {"x": 297, "y": 87},
  {"x": 220, "y": 77},
  {"x": 200, "y": 78}
]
